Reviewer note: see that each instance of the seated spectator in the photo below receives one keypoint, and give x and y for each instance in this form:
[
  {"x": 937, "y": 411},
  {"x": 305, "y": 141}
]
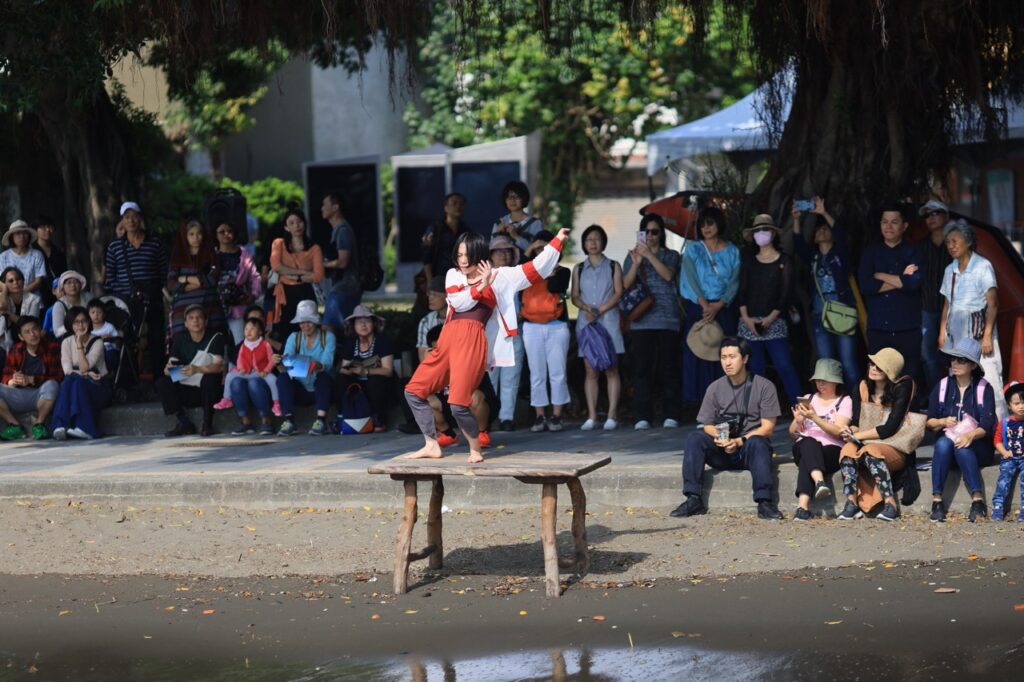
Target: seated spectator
[
  {"x": 971, "y": 304},
  {"x": 505, "y": 380},
  {"x": 15, "y": 303},
  {"x": 192, "y": 278},
  {"x": 817, "y": 426},
  {"x": 518, "y": 225},
  {"x": 1009, "y": 441},
  {"x": 479, "y": 407},
  {"x": 546, "y": 340},
  {"x": 30, "y": 380},
  {"x": 252, "y": 379},
  {"x": 55, "y": 261},
  {"x": 766, "y": 284},
  {"x": 194, "y": 372},
  {"x": 655, "y": 341},
  {"x": 438, "y": 304},
  {"x": 238, "y": 282},
  {"x": 315, "y": 344},
  {"x": 85, "y": 389},
  {"x": 101, "y": 329},
  {"x": 254, "y": 312},
  {"x": 596, "y": 290},
  {"x": 367, "y": 361},
  {"x": 963, "y": 408},
  {"x": 884, "y": 386},
  {"x": 70, "y": 293},
  {"x": 737, "y": 417},
  {"x": 18, "y": 253}
]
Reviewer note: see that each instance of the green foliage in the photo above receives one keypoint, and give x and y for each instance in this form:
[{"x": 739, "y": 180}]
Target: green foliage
[{"x": 588, "y": 84}]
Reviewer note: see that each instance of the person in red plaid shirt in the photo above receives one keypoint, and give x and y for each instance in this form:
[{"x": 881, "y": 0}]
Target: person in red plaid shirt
[{"x": 30, "y": 380}]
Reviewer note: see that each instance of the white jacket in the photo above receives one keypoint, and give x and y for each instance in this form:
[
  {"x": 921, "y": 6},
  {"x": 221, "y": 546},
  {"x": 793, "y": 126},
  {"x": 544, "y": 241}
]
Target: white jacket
[{"x": 502, "y": 325}]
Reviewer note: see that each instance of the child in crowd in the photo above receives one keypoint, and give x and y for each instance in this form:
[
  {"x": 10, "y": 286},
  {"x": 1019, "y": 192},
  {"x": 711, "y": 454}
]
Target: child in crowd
[
  {"x": 253, "y": 312},
  {"x": 1009, "y": 440},
  {"x": 253, "y": 379},
  {"x": 106, "y": 331}
]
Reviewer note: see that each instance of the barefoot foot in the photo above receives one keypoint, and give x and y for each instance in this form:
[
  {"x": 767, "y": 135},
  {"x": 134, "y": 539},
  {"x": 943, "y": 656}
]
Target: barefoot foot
[
  {"x": 428, "y": 451},
  {"x": 475, "y": 457}
]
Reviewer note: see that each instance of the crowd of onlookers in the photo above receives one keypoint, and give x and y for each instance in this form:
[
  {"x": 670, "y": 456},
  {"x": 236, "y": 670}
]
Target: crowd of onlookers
[{"x": 221, "y": 326}]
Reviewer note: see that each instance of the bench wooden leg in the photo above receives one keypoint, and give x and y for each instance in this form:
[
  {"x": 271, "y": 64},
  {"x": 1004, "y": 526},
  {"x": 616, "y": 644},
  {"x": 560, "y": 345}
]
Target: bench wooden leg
[
  {"x": 579, "y": 525},
  {"x": 434, "y": 524},
  {"x": 404, "y": 542},
  {"x": 548, "y": 503}
]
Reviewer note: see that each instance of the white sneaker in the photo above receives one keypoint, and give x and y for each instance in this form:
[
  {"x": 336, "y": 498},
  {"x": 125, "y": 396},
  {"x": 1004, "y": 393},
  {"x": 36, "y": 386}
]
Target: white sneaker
[
  {"x": 642, "y": 425},
  {"x": 670, "y": 424},
  {"x": 60, "y": 433},
  {"x": 610, "y": 425},
  {"x": 587, "y": 425},
  {"x": 79, "y": 433}
]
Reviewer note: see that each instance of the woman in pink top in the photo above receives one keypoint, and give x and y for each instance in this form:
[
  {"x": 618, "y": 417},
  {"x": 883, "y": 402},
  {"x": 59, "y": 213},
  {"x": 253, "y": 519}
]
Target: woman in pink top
[{"x": 818, "y": 421}]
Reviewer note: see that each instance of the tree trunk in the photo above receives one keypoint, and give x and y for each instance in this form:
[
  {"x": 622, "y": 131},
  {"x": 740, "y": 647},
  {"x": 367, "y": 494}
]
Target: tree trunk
[{"x": 88, "y": 144}]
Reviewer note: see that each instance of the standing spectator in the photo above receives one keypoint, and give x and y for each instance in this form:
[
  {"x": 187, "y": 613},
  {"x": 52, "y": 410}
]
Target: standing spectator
[
  {"x": 708, "y": 282},
  {"x": 55, "y": 261},
  {"x": 198, "y": 354},
  {"x": 934, "y": 259},
  {"x": 238, "y": 280},
  {"x": 890, "y": 281},
  {"x": 818, "y": 424},
  {"x": 737, "y": 417},
  {"x": 830, "y": 263},
  {"x": 546, "y": 341},
  {"x": 438, "y": 303},
  {"x": 963, "y": 408},
  {"x": 15, "y": 303},
  {"x": 518, "y": 225},
  {"x": 971, "y": 304},
  {"x": 343, "y": 266},
  {"x": 192, "y": 278},
  {"x": 316, "y": 344},
  {"x": 655, "y": 336},
  {"x": 85, "y": 389},
  {"x": 367, "y": 361},
  {"x": 596, "y": 290},
  {"x": 505, "y": 380},
  {"x": 31, "y": 374},
  {"x": 867, "y": 468},
  {"x": 254, "y": 380},
  {"x": 299, "y": 265},
  {"x": 766, "y": 283},
  {"x": 1009, "y": 442},
  {"x": 18, "y": 253},
  {"x": 71, "y": 292},
  {"x": 439, "y": 239},
  {"x": 136, "y": 271}
]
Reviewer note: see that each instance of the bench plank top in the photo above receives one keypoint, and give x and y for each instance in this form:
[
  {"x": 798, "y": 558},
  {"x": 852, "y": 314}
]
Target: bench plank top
[{"x": 515, "y": 464}]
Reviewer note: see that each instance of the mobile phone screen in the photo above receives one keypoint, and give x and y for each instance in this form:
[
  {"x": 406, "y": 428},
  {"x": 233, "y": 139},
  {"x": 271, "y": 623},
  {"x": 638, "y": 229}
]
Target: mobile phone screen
[{"x": 641, "y": 236}]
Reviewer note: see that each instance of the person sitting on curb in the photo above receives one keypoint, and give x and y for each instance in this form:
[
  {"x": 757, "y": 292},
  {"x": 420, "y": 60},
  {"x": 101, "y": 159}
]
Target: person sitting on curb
[
  {"x": 193, "y": 375},
  {"x": 738, "y": 415},
  {"x": 316, "y": 345},
  {"x": 30, "y": 381}
]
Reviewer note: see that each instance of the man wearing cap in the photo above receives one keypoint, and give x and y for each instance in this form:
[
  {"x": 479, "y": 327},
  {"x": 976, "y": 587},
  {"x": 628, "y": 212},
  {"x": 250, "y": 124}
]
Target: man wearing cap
[
  {"x": 346, "y": 291},
  {"x": 934, "y": 258},
  {"x": 136, "y": 270},
  {"x": 193, "y": 376},
  {"x": 890, "y": 281},
  {"x": 18, "y": 253},
  {"x": 737, "y": 417},
  {"x": 30, "y": 381}
]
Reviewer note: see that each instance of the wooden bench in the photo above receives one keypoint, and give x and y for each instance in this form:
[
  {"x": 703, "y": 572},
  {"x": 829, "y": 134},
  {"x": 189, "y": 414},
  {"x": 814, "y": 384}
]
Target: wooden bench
[{"x": 547, "y": 469}]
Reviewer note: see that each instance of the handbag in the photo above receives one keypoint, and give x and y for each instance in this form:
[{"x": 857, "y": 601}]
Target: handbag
[
  {"x": 354, "y": 416},
  {"x": 910, "y": 433},
  {"x": 836, "y": 316},
  {"x": 202, "y": 358},
  {"x": 596, "y": 346},
  {"x": 637, "y": 300}
]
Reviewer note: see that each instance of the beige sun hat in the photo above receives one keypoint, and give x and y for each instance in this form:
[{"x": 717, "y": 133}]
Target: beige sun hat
[
  {"x": 705, "y": 339},
  {"x": 17, "y": 226},
  {"x": 890, "y": 361}
]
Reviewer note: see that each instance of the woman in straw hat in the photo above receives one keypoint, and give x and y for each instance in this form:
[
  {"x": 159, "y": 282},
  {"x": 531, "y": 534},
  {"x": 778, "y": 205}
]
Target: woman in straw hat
[
  {"x": 367, "y": 361},
  {"x": 71, "y": 292},
  {"x": 18, "y": 253}
]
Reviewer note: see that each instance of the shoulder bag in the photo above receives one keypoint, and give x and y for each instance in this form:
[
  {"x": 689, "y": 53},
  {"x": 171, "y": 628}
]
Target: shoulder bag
[
  {"x": 910, "y": 433},
  {"x": 637, "y": 300},
  {"x": 836, "y": 316}
]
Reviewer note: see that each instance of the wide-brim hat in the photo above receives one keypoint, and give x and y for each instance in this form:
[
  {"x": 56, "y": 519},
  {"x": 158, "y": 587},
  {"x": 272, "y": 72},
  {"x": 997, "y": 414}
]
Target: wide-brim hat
[
  {"x": 890, "y": 361},
  {"x": 17, "y": 226},
  {"x": 305, "y": 311},
  {"x": 933, "y": 205},
  {"x": 705, "y": 340},
  {"x": 362, "y": 311},
  {"x": 966, "y": 348},
  {"x": 762, "y": 221},
  {"x": 827, "y": 369},
  {"x": 70, "y": 274},
  {"x": 501, "y": 241}
]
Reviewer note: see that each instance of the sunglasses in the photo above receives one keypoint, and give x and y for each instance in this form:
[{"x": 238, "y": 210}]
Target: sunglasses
[
  {"x": 654, "y": 232},
  {"x": 932, "y": 214},
  {"x": 961, "y": 361}
]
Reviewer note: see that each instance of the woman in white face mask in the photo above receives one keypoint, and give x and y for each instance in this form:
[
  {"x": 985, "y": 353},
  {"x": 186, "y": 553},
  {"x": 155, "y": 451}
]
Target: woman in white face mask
[{"x": 766, "y": 282}]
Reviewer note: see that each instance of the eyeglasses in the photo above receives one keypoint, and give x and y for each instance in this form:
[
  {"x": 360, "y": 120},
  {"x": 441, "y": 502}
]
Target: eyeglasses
[
  {"x": 960, "y": 361},
  {"x": 80, "y": 320},
  {"x": 932, "y": 214}
]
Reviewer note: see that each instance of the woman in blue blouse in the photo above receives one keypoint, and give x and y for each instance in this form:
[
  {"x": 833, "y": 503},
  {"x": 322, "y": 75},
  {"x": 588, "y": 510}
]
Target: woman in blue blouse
[
  {"x": 316, "y": 344},
  {"x": 828, "y": 258},
  {"x": 708, "y": 281},
  {"x": 967, "y": 426}
]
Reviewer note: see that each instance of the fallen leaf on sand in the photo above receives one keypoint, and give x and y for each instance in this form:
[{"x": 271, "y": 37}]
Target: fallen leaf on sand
[
  {"x": 598, "y": 618},
  {"x": 375, "y": 616},
  {"x": 833, "y": 622},
  {"x": 250, "y": 529},
  {"x": 972, "y": 557},
  {"x": 64, "y": 612},
  {"x": 208, "y": 612},
  {"x": 1018, "y": 607},
  {"x": 677, "y": 634},
  {"x": 945, "y": 590},
  {"x": 169, "y": 608},
  {"x": 522, "y": 613},
  {"x": 409, "y": 612}
]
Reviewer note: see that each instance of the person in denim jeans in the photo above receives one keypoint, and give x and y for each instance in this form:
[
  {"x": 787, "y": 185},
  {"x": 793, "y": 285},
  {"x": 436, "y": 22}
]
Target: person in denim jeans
[
  {"x": 934, "y": 259},
  {"x": 828, "y": 257},
  {"x": 1009, "y": 443}
]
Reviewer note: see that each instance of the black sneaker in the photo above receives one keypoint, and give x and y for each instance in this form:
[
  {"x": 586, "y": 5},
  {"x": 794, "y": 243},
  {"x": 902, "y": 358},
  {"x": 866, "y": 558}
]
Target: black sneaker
[
  {"x": 802, "y": 514},
  {"x": 768, "y": 511},
  {"x": 181, "y": 429},
  {"x": 978, "y": 511},
  {"x": 938, "y": 514},
  {"x": 691, "y": 506},
  {"x": 821, "y": 491},
  {"x": 507, "y": 425},
  {"x": 539, "y": 424},
  {"x": 555, "y": 424},
  {"x": 850, "y": 512},
  {"x": 889, "y": 513}
]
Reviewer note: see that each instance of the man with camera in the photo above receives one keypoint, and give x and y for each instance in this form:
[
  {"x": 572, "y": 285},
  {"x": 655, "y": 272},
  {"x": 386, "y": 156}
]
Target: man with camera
[{"x": 738, "y": 416}]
